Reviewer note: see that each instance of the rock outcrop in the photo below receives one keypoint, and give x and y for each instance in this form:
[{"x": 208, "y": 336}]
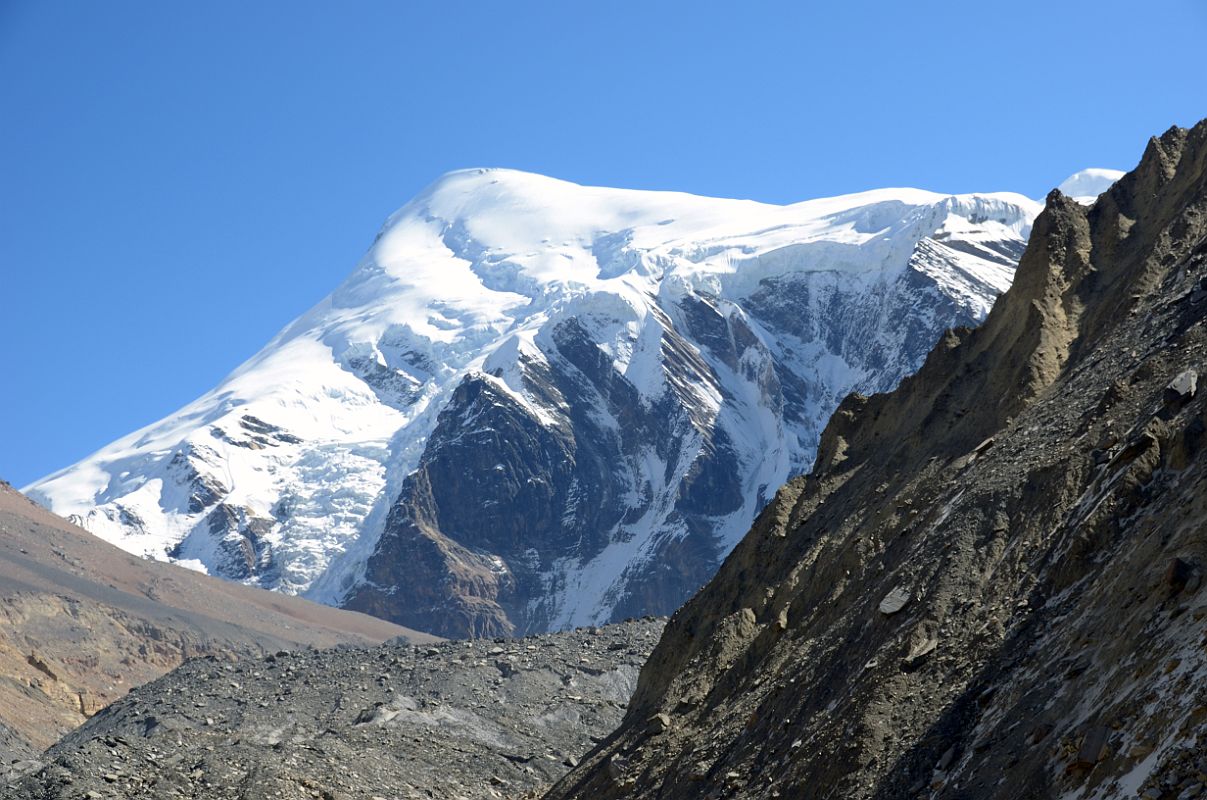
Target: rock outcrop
[{"x": 990, "y": 584}]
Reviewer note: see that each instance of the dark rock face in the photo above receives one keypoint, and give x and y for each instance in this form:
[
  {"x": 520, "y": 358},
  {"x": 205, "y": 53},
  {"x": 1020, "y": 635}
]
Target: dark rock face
[
  {"x": 238, "y": 535},
  {"x": 500, "y": 498},
  {"x": 395, "y": 387},
  {"x": 204, "y": 489},
  {"x": 485, "y": 535},
  {"x": 896, "y": 324},
  {"x": 481, "y": 719},
  {"x": 989, "y": 585}
]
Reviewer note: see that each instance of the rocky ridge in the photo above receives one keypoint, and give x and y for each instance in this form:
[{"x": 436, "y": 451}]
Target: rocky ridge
[
  {"x": 990, "y": 585},
  {"x": 472, "y": 719}
]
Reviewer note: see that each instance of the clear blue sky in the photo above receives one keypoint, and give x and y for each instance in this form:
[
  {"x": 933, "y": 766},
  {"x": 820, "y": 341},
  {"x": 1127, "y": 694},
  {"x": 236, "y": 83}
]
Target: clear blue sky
[{"x": 179, "y": 180}]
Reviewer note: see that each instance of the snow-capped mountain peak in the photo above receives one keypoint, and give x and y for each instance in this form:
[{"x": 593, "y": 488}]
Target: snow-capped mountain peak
[
  {"x": 1086, "y": 185},
  {"x": 535, "y": 404}
]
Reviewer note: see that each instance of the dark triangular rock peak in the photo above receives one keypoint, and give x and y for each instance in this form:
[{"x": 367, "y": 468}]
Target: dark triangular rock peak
[{"x": 1035, "y": 490}]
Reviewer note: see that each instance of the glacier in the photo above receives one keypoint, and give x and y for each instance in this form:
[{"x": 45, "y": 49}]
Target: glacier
[{"x": 670, "y": 359}]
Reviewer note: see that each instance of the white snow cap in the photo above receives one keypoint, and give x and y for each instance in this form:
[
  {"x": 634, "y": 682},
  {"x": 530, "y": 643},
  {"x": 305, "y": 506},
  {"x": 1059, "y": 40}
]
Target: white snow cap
[{"x": 1085, "y": 186}]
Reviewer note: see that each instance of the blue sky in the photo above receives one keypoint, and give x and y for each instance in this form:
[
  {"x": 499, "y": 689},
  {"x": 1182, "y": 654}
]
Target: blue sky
[{"x": 179, "y": 180}]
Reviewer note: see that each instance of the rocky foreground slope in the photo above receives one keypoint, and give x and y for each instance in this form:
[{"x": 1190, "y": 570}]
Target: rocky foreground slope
[
  {"x": 82, "y": 623},
  {"x": 990, "y": 586},
  {"x": 536, "y": 405},
  {"x": 473, "y": 719}
]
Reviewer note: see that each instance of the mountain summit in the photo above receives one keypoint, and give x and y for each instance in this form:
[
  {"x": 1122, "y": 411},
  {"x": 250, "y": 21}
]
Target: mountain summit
[
  {"x": 535, "y": 405},
  {"x": 1085, "y": 186}
]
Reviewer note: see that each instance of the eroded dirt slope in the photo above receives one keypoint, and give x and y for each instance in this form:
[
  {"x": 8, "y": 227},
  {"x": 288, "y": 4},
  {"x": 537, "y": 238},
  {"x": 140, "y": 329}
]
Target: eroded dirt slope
[{"x": 82, "y": 623}]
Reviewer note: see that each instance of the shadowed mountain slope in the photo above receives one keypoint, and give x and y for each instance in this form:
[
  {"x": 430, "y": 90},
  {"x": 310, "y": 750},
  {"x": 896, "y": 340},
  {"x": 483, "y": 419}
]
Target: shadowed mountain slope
[{"x": 989, "y": 585}]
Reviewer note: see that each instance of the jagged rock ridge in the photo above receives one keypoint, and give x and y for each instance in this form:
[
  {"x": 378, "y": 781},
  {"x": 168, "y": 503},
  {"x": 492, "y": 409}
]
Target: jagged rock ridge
[
  {"x": 990, "y": 585},
  {"x": 536, "y": 405}
]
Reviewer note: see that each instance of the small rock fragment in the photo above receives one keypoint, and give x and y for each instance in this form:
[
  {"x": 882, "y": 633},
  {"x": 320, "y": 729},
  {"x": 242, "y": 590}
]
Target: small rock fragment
[
  {"x": 1182, "y": 388},
  {"x": 1093, "y": 747},
  {"x": 923, "y": 642},
  {"x": 659, "y": 723},
  {"x": 1076, "y": 667},
  {"x": 1039, "y": 733},
  {"x": 616, "y": 767},
  {"x": 1179, "y": 574},
  {"x": 895, "y": 600}
]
